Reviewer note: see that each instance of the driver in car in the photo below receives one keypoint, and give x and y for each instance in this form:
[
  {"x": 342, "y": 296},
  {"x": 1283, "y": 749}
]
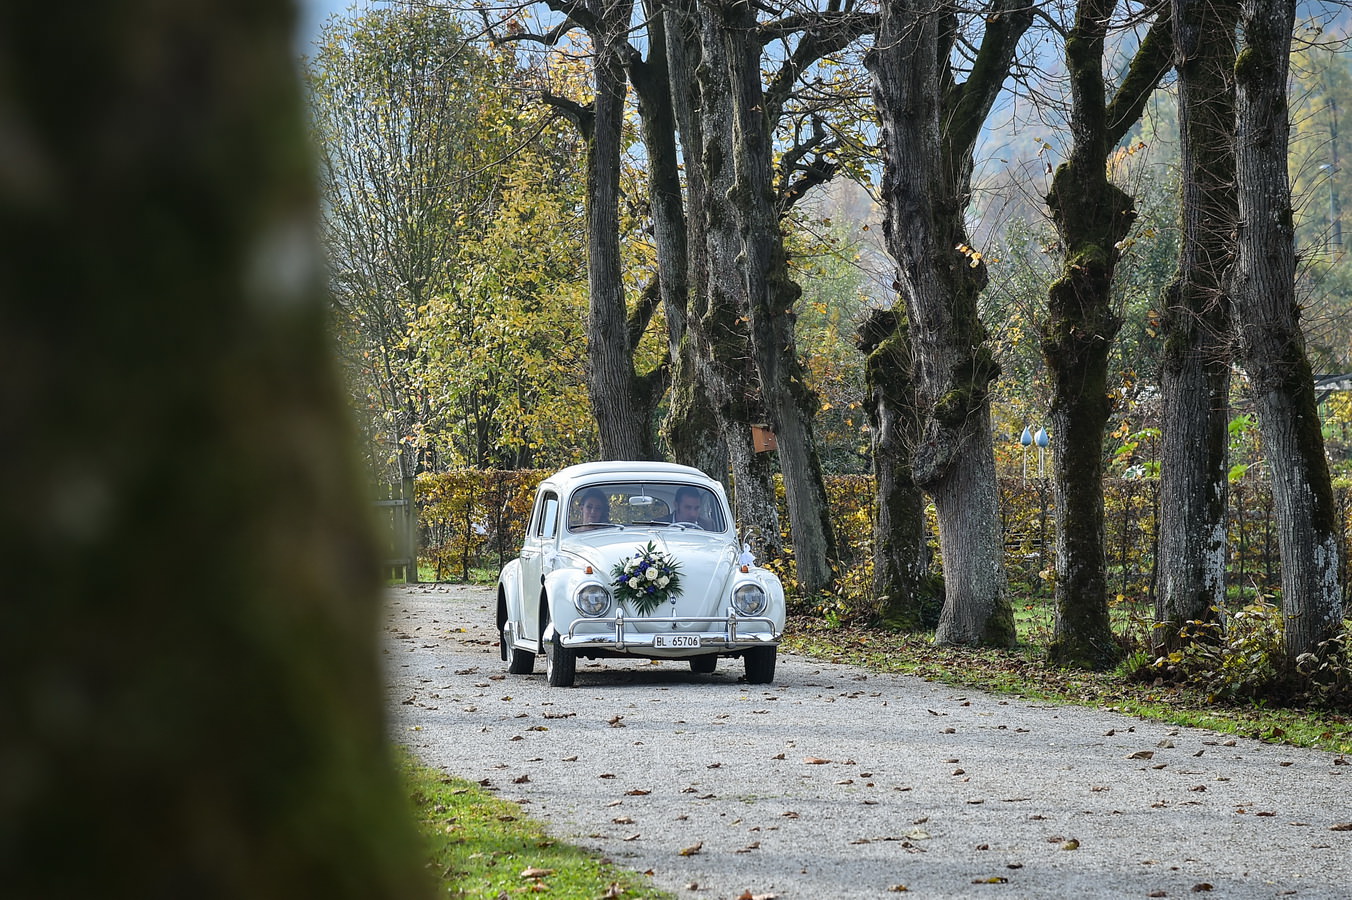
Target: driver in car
[{"x": 688, "y": 504}]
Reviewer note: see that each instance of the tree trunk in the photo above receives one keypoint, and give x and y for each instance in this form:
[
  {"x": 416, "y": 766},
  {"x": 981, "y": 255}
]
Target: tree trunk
[
  {"x": 1195, "y": 369},
  {"x": 1092, "y": 217},
  {"x": 1271, "y": 342},
  {"x": 692, "y": 427},
  {"x": 166, "y": 362},
  {"x": 770, "y": 297},
  {"x": 723, "y": 343},
  {"x": 621, "y": 401},
  {"x": 930, "y": 125},
  {"x": 908, "y": 598}
]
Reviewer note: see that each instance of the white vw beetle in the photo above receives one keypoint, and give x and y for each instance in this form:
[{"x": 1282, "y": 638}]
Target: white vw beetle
[{"x": 636, "y": 559}]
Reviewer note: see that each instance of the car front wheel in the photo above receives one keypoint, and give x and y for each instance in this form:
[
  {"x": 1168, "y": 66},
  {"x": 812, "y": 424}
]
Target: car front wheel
[
  {"x": 521, "y": 662},
  {"x": 760, "y": 665},
  {"x": 560, "y": 663},
  {"x": 703, "y": 665}
]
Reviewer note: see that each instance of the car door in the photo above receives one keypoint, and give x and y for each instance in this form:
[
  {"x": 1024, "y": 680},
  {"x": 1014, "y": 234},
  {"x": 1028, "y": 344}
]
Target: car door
[{"x": 539, "y": 543}]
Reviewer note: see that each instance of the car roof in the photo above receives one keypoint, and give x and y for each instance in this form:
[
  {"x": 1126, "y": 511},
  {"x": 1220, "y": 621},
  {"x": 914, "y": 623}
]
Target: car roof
[{"x": 628, "y": 470}]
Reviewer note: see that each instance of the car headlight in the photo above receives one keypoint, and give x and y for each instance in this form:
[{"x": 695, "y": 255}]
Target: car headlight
[
  {"x": 749, "y": 599},
  {"x": 592, "y": 600}
]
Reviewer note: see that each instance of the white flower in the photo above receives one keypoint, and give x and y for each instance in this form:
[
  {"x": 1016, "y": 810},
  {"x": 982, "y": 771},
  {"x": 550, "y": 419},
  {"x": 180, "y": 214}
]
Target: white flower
[
  {"x": 663, "y": 581},
  {"x": 652, "y": 575}
]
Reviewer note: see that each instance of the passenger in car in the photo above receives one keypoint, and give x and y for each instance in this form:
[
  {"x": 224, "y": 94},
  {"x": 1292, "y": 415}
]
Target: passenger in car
[{"x": 594, "y": 508}]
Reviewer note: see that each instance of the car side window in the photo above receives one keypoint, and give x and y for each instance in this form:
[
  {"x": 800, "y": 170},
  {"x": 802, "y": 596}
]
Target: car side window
[{"x": 549, "y": 515}]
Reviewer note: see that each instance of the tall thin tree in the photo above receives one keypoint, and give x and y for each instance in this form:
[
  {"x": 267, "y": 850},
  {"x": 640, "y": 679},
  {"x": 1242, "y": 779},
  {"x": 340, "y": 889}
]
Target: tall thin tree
[{"x": 1270, "y": 339}]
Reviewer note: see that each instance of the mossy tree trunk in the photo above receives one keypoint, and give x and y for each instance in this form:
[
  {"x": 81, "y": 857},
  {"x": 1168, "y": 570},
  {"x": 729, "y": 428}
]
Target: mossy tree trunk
[
  {"x": 1195, "y": 368},
  {"x": 723, "y": 339},
  {"x": 664, "y": 84},
  {"x": 771, "y": 294},
  {"x": 1092, "y": 217},
  {"x": 1271, "y": 343},
  {"x": 190, "y": 686},
  {"x": 906, "y": 595},
  {"x": 930, "y": 126}
]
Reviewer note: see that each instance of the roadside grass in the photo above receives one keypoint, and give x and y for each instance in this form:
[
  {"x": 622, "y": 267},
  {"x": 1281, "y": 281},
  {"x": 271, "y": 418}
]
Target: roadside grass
[
  {"x": 481, "y": 847},
  {"x": 1022, "y": 673}
]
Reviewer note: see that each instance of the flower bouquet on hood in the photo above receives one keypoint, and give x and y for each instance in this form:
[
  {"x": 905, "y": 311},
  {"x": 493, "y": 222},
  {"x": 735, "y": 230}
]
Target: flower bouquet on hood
[{"x": 647, "y": 579}]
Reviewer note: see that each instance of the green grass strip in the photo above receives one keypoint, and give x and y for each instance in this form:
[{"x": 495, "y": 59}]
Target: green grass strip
[{"x": 483, "y": 847}]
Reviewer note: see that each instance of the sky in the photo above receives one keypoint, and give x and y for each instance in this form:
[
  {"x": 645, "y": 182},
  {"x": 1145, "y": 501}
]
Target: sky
[{"x": 314, "y": 13}]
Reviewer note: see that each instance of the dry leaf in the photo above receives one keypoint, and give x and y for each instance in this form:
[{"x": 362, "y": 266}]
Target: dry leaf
[
  {"x": 533, "y": 872},
  {"x": 613, "y": 892},
  {"x": 616, "y": 722},
  {"x": 637, "y": 792},
  {"x": 1071, "y": 844},
  {"x": 815, "y": 761},
  {"x": 1341, "y": 826},
  {"x": 1200, "y": 888},
  {"x": 692, "y": 849},
  {"x": 1142, "y": 754}
]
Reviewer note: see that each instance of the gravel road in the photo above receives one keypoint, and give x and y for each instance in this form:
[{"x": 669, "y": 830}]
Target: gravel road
[{"x": 833, "y": 782}]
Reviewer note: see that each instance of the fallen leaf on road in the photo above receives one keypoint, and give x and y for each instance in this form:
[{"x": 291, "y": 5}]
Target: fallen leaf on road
[
  {"x": 1142, "y": 754},
  {"x": 616, "y": 722},
  {"x": 994, "y": 879},
  {"x": 1071, "y": 844},
  {"x": 1341, "y": 826},
  {"x": 637, "y": 792},
  {"x": 754, "y": 845},
  {"x": 815, "y": 761},
  {"x": 692, "y": 849}
]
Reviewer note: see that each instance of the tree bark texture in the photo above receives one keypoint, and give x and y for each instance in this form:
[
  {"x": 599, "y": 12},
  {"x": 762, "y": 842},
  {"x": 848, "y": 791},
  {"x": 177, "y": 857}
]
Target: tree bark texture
[
  {"x": 1092, "y": 217},
  {"x": 723, "y": 340},
  {"x": 1195, "y": 369},
  {"x": 908, "y": 598},
  {"x": 930, "y": 125},
  {"x": 1270, "y": 338},
  {"x": 166, "y": 374},
  {"x": 771, "y": 293},
  {"x": 622, "y": 401}
]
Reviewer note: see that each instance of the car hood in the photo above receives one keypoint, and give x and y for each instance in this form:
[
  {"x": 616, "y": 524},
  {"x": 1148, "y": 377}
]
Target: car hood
[{"x": 706, "y": 561}]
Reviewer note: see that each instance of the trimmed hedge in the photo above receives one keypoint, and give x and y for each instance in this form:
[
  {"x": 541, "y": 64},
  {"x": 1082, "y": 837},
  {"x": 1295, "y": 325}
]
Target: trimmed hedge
[{"x": 471, "y": 522}]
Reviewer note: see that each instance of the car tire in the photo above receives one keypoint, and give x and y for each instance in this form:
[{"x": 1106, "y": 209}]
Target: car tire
[
  {"x": 521, "y": 662},
  {"x": 560, "y": 663},
  {"x": 703, "y": 665},
  {"x": 760, "y": 665}
]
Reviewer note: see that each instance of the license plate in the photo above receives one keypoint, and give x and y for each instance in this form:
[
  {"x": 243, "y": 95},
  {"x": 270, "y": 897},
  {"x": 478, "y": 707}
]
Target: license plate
[{"x": 675, "y": 641}]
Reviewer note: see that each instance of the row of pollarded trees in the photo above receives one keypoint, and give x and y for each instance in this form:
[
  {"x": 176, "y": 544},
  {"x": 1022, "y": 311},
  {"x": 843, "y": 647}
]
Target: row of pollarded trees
[
  {"x": 1234, "y": 288},
  {"x": 728, "y": 102}
]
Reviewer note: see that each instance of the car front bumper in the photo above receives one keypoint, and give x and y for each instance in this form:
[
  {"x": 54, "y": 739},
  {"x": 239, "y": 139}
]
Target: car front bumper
[{"x": 716, "y": 634}]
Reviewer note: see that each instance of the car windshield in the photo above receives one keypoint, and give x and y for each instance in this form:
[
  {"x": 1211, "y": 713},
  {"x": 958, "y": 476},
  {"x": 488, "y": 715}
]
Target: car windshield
[{"x": 621, "y": 504}]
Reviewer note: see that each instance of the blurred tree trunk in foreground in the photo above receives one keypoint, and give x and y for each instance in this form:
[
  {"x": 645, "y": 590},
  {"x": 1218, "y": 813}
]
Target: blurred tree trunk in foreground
[{"x": 190, "y": 700}]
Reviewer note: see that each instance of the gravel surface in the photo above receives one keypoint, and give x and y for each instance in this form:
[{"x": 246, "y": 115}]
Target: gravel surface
[{"x": 834, "y": 782}]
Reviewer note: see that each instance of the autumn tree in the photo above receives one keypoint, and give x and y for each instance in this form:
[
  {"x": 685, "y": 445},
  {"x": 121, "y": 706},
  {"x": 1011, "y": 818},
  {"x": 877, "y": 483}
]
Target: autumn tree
[
  {"x": 408, "y": 173},
  {"x": 1270, "y": 340},
  {"x": 937, "y": 435},
  {"x": 218, "y": 736}
]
